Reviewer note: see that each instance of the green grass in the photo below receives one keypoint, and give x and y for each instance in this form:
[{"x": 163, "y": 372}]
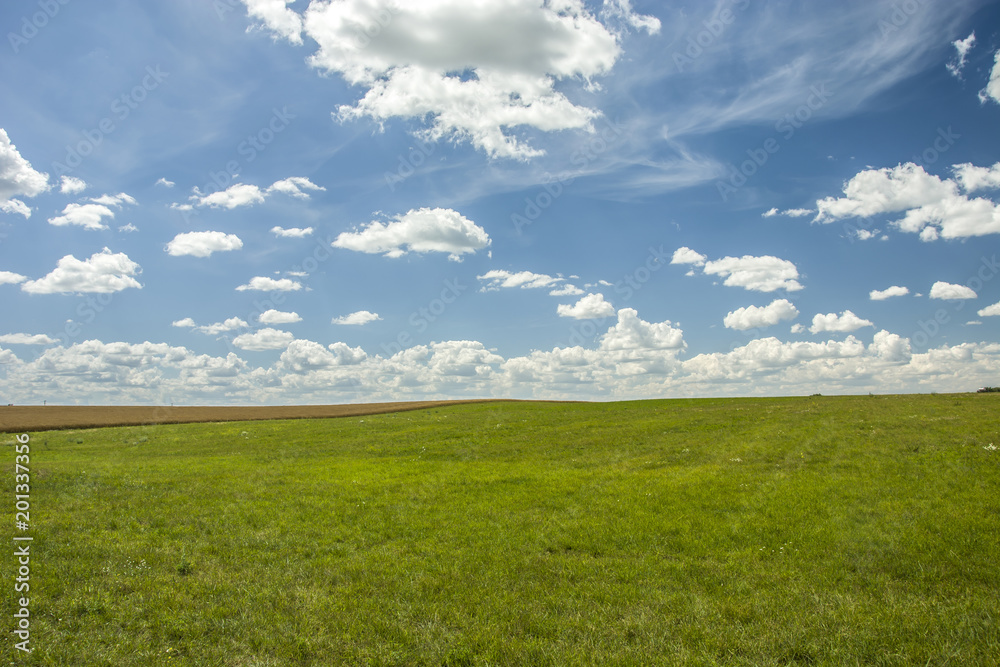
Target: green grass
[{"x": 807, "y": 531}]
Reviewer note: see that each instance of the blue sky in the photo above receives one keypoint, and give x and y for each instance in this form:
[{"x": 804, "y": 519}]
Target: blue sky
[{"x": 277, "y": 202}]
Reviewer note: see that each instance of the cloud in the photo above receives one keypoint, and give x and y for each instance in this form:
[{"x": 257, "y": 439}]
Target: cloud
[
  {"x": 10, "y": 278},
  {"x": 757, "y": 317},
  {"x": 567, "y": 290},
  {"x": 128, "y": 228},
  {"x": 592, "y": 306},
  {"x": 277, "y": 17},
  {"x": 992, "y": 89},
  {"x": 114, "y": 200},
  {"x": 949, "y": 291},
  {"x": 203, "y": 244},
  {"x": 305, "y": 356},
  {"x": 265, "y": 339},
  {"x": 293, "y": 233},
  {"x": 165, "y": 183},
  {"x": 973, "y": 178},
  {"x": 843, "y": 323},
  {"x": 634, "y": 334},
  {"x": 499, "y": 279},
  {"x": 687, "y": 256},
  {"x": 15, "y": 206},
  {"x": 72, "y": 186},
  {"x": 798, "y": 212},
  {"x": 17, "y": 177},
  {"x": 759, "y": 274},
  {"x": 27, "y": 339},
  {"x": 888, "y": 293},
  {"x": 791, "y": 213},
  {"x": 186, "y": 323},
  {"x": 231, "y": 324},
  {"x": 91, "y": 216},
  {"x": 103, "y": 273},
  {"x": 990, "y": 311},
  {"x": 962, "y": 47},
  {"x": 360, "y": 318},
  {"x": 423, "y": 230},
  {"x": 278, "y": 317},
  {"x": 933, "y": 207},
  {"x": 239, "y": 194},
  {"x": 450, "y": 62},
  {"x": 295, "y": 187},
  {"x": 263, "y": 284},
  {"x": 887, "y": 190}
]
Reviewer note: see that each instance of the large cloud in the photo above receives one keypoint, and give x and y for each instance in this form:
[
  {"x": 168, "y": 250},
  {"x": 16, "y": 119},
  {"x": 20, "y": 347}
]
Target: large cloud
[
  {"x": 845, "y": 322},
  {"x": 948, "y": 291},
  {"x": 758, "y": 317},
  {"x": 633, "y": 333},
  {"x": 888, "y": 293},
  {"x": 265, "y": 284},
  {"x": 92, "y": 215},
  {"x": 104, "y": 272},
  {"x": 359, "y": 318},
  {"x": 203, "y": 244},
  {"x": 475, "y": 68},
  {"x": 592, "y": 306},
  {"x": 931, "y": 206},
  {"x": 501, "y": 279},
  {"x": 759, "y": 274},
  {"x": 422, "y": 230},
  {"x": 17, "y": 177},
  {"x": 265, "y": 339}
]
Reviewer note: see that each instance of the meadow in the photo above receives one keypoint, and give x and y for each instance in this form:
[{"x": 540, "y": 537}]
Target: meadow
[{"x": 794, "y": 531}]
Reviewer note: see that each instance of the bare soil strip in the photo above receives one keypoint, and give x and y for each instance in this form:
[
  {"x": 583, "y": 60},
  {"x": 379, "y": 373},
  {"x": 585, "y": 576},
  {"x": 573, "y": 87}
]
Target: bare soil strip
[{"x": 27, "y": 418}]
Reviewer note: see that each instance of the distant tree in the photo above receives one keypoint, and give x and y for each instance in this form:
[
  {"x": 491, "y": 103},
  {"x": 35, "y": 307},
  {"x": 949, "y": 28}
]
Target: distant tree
[{"x": 989, "y": 390}]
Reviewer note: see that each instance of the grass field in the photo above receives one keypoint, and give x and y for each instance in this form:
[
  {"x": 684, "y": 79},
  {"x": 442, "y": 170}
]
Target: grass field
[{"x": 803, "y": 531}]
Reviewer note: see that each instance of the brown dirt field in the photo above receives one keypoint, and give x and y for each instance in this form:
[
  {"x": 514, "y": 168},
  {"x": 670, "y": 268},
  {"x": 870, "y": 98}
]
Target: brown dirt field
[{"x": 23, "y": 419}]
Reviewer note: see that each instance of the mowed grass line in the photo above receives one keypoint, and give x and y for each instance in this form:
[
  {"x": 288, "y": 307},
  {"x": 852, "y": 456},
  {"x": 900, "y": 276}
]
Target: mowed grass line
[{"x": 811, "y": 531}]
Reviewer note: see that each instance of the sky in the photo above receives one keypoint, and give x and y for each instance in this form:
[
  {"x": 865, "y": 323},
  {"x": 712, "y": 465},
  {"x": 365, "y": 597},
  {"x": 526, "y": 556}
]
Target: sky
[{"x": 330, "y": 201}]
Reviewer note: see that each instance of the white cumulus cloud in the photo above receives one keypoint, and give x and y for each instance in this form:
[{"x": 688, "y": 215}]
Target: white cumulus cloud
[
  {"x": 949, "y": 291},
  {"x": 278, "y": 317},
  {"x": 592, "y": 306},
  {"x": 11, "y": 278},
  {"x": 842, "y": 323},
  {"x": 292, "y": 233},
  {"x": 451, "y": 62},
  {"x": 888, "y": 293},
  {"x": 70, "y": 185},
  {"x": 264, "y": 284},
  {"x": 27, "y": 339},
  {"x": 295, "y": 186},
  {"x": 265, "y": 339},
  {"x": 203, "y": 244},
  {"x": 17, "y": 178},
  {"x": 501, "y": 279},
  {"x": 359, "y": 318},
  {"x": 758, "y": 274},
  {"x": 633, "y": 333},
  {"x": 104, "y": 272},
  {"x": 931, "y": 207},
  {"x": 759, "y": 317},
  {"x": 686, "y": 255},
  {"x": 990, "y": 311},
  {"x": 421, "y": 230}
]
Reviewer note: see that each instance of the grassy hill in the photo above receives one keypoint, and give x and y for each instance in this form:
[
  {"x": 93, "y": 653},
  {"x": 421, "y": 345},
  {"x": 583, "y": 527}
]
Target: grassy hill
[{"x": 803, "y": 531}]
